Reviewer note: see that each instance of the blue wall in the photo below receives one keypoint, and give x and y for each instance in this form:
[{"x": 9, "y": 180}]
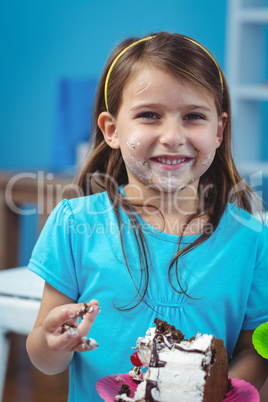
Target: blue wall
[{"x": 44, "y": 41}]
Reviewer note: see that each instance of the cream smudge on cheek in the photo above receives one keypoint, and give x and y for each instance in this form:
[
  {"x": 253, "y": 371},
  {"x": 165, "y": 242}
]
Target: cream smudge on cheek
[
  {"x": 207, "y": 161},
  {"x": 156, "y": 176},
  {"x": 139, "y": 168},
  {"x": 133, "y": 142}
]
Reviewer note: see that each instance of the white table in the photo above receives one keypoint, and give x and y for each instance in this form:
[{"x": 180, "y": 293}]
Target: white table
[{"x": 20, "y": 296}]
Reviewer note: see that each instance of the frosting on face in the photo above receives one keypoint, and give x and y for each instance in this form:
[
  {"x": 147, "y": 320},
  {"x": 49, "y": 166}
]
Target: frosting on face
[
  {"x": 133, "y": 142},
  {"x": 142, "y": 87},
  {"x": 157, "y": 177},
  {"x": 207, "y": 160},
  {"x": 167, "y": 131}
]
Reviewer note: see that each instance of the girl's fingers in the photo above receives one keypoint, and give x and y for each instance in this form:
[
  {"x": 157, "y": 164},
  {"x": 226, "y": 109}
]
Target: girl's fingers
[
  {"x": 68, "y": 313},
  {"x": 65, "y": 342},
  {"x": 88, "y": 319},
  {"x": 65, "y": 330},
  {"x": 85, "y": 345},
  {"x": 58, "y": 317}
]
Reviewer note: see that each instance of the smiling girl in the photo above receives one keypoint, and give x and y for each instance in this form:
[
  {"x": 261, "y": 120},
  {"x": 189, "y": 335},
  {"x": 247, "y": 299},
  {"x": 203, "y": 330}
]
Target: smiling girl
[{"x": 184, "y": 245}]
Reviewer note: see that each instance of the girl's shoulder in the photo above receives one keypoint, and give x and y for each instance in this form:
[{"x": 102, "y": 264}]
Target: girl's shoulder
[
  {"x": 84, "y": 207},
  {"x": 243, "y": 232},
  {"x": 98, "y": 202}
]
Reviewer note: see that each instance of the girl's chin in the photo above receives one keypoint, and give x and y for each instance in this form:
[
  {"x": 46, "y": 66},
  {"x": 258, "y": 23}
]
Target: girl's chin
[
  {"x": 161, "y": 181},
  {"x": 172, "y": 186}
]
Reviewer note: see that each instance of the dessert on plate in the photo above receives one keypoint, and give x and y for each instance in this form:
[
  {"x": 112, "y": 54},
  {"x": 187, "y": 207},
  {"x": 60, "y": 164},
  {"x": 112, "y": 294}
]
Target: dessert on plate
[{"x": 178, "y": 369}]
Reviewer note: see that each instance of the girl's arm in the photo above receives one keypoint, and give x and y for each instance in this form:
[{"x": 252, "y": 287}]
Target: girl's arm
[
  {"x": 51, "y": 349},
  {"x": 247, "y": 364}
]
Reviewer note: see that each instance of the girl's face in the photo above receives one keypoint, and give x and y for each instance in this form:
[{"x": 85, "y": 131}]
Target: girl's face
[{"x": 168, "y": 132}]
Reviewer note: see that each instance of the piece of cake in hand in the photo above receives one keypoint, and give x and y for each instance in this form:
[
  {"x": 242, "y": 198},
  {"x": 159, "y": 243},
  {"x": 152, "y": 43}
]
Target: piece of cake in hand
[{"x": 179, "y": 369}]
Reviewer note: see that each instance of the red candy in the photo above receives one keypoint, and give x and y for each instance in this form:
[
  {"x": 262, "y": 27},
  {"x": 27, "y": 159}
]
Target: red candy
[{"x": 135, "y": 360}]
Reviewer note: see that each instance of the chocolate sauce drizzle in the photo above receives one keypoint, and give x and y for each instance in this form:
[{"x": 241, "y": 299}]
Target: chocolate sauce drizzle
[
  {"x": 148, "y": 392},
  {"x": 174, "y": 345},
  {"x": 154, "y": 361},
  {"x": 190, "y": 350}
]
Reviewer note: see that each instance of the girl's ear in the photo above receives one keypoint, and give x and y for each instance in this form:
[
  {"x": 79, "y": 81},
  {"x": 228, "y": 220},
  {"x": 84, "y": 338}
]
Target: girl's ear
[
  {"x": 107, "y": 124},
  {"x": 221, "y": 126}
]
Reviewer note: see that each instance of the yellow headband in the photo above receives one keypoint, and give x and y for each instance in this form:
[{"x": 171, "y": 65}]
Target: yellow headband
[
  {"x": 207, "y": 52},
  {"x": 113, "y": 64},
  {"x": 143, "y": 40}
]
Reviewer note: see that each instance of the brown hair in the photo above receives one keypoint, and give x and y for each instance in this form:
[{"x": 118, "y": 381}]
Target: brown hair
[{"x": 190, "y": 63}]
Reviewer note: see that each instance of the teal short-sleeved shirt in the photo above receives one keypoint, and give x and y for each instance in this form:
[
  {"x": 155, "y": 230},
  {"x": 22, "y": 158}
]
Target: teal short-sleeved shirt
[{"x": 79, "y": 253}]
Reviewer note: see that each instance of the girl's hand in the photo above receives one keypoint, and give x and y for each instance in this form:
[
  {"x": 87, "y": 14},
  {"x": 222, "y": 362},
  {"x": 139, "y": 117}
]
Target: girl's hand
[{"x": 66, "y": 327}]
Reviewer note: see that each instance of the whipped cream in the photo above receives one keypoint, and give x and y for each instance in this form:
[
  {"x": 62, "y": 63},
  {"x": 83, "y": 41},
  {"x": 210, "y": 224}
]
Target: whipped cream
[{"x": 178, "y": 371}]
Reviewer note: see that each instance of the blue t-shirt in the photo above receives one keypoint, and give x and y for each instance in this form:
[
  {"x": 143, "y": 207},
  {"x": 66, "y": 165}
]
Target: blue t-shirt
[{"x": 79, "y": 253}]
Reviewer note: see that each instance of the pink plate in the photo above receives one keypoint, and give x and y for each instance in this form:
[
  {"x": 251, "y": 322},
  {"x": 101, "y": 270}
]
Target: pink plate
[
  {"x": 243, "y": 391},
  {"x": 108, "y": 388}
]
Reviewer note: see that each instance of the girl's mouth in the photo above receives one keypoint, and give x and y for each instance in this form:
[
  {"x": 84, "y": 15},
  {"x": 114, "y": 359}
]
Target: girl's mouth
[{"x": 172, "y": 162}]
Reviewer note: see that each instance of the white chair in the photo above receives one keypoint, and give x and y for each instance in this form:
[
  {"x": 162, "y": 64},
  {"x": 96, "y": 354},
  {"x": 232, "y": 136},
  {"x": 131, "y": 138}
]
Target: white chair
[{"x": 20, "y": 296}]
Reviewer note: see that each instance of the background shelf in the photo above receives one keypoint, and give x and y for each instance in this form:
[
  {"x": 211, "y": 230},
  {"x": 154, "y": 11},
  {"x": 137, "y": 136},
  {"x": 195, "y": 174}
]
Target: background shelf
[
  {"x": 251, "y": 92},
  {"x": 247, "y": 55},
  {"x": 253, "y": 15}
]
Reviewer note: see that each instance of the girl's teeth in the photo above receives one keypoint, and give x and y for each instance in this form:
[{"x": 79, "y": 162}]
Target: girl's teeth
[{"x": 169, "y": 162}]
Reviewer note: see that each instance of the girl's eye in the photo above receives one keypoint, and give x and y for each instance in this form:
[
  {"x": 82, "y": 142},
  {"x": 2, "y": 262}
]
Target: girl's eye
[
  {"x": 194, "y": 116},
  {"x": 148, "y": 115}
]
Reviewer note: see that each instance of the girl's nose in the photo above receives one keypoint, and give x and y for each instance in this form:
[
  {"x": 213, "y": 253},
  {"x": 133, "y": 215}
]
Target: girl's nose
[{"x": 172, "y": 135}]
